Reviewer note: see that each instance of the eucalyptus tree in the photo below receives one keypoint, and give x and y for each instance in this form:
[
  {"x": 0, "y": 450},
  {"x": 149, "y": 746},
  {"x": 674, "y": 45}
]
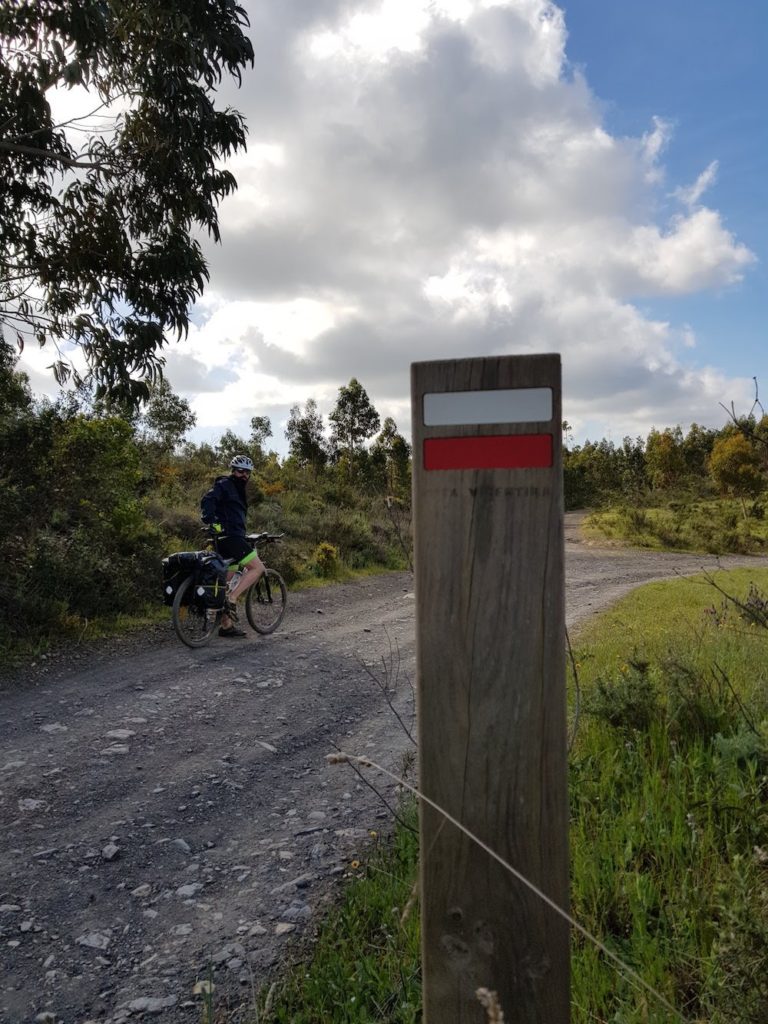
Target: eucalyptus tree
[
  {"x": 734, "y": 466},
  {"x": 306, "y": 437},
  {"x": 167, "y": 417},
  {"x": 353, "y": 419},
  {"x": 100, "y": 216}
]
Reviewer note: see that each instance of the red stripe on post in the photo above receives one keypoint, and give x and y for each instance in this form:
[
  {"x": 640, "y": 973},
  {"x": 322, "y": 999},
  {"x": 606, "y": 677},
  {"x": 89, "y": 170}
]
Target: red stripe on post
[{"x": 494, "y": 451}]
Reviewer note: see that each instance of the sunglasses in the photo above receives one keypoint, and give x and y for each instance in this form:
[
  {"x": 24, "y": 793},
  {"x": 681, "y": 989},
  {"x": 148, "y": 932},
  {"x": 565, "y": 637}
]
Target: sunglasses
[{"x": 246, "y": 471}]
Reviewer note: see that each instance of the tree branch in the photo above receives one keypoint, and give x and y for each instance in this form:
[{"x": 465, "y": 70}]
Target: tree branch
[
  {"x": 72, "y": 120},
  {"x": 61, "y": 158},
  {"x": 748, "y": 432}
]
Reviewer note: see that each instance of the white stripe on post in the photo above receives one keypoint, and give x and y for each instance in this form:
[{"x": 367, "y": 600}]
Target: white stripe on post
[{"x": 505, "y": 405}]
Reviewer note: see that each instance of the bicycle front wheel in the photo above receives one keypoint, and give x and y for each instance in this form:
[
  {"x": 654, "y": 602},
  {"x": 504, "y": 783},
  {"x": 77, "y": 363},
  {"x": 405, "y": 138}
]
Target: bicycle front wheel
[
  {"x": 194, "y": 625},
  {"x": 265, "y": 602}
]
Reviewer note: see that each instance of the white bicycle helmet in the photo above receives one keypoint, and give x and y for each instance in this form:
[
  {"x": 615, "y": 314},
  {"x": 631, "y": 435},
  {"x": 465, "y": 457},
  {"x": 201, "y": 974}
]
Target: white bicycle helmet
[{"x": 241, "y": 462}]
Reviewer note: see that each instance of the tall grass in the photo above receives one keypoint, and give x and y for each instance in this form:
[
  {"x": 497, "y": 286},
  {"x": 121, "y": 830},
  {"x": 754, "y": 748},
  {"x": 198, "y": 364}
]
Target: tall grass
[
  {"x": 669, "y": 831},
  {"x": 669, "y": 801}
]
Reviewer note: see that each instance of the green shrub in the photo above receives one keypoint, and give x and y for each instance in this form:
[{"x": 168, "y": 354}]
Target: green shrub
[
  {"x": 700, "y": 704},
  {"x": 636, "y": 519},
  {"x": 716, "y": 527},
  {"x": 689, "y": 703},
  {"x": 325, "y": 560},
  {"x": 285, "y": 560},
  {"x": 629, "y": 702},
  {"x": 177, "y": 525},
  {"x": 743, "y": 748}
]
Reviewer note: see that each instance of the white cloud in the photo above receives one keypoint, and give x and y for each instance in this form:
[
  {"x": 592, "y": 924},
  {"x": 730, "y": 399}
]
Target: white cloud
[
  {"x": 691, "y": 194},
  {"x": 375, "y": 32},
  {"x": 36, "y": 362},
  {"x": 653, "y": 144},
  {"x": 449, "y": 181},
  {"x": 696, "y": 253},
  {"x": 431, "y": 178}
]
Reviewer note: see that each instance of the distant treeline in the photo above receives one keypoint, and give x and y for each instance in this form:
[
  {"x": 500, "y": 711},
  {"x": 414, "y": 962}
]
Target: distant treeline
[{"x": 731, "y": 461}]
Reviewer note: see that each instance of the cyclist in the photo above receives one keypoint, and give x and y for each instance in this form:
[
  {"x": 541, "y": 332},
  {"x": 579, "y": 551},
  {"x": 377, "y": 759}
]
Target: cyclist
[{"x": 224, "y": 508}]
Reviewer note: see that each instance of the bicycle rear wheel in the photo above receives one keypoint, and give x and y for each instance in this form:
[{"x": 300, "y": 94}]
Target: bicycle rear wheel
[
  {"x": 265, "y": 602},
  {"x": 194, "y": 625}
]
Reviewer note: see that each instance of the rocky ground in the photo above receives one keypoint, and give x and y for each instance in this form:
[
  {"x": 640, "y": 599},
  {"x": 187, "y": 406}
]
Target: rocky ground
[{"x": 168, "y": 818}]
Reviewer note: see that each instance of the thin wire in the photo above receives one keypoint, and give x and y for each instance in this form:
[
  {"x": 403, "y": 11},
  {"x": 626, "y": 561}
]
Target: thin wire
[
  {"x": 577, "y": 692},
  {"x": 343, "y": 758}
]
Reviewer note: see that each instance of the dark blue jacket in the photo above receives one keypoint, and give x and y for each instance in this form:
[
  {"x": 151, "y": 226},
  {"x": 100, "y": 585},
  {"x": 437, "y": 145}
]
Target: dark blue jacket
[{"x": 227, "y": 504}]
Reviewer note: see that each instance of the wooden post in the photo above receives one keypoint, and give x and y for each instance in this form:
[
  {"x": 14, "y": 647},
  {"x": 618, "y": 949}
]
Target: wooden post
[{"x": 487, "y": 486}]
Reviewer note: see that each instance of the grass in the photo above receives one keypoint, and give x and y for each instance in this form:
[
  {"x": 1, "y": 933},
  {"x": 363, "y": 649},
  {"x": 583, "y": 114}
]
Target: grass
[
  {"x": 716, "y": 526},
  {"x": 364, "y": 966},
  {"x": 344, "y": 574},
  {"x": 669, "y": 802},
  {"x": 669, "y": 832},
  {"x": 674, "y": 616}
]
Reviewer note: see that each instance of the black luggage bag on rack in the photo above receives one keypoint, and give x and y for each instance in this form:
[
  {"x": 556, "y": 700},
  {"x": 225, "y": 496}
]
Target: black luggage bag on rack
[
  {"x": 209, "y": 572},
  {"x": 176, "y": 568}
]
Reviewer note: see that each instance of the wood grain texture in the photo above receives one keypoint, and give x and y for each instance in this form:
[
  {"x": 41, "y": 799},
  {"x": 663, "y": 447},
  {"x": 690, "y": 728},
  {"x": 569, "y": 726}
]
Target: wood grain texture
[{"x": 492, "y": 712}]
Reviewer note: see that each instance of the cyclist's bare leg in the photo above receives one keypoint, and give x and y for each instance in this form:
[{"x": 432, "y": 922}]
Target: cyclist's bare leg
[{"x": 253, "y": 570}]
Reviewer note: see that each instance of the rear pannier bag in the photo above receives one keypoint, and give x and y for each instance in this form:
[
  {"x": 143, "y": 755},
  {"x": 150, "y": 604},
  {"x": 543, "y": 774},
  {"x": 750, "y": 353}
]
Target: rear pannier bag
[
  {"x": 176, "y": 568},
  {"x": 210, "y": 581}
]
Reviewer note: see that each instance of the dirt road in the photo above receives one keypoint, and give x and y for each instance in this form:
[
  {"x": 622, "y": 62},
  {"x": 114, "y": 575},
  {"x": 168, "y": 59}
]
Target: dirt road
[{"x": 167, "y": 815}]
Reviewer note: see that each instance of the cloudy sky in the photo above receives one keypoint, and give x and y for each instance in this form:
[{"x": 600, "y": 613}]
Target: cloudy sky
[{"x": 443, "y": 178}]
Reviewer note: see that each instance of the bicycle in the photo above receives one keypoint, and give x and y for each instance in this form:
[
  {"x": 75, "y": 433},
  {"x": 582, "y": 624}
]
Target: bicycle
[{"x": 197, "y": 607}]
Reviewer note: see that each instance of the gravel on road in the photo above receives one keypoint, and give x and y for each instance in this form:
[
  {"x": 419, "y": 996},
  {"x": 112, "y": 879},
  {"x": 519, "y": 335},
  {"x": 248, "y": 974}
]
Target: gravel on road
[{"x": 168, "y": 816}]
